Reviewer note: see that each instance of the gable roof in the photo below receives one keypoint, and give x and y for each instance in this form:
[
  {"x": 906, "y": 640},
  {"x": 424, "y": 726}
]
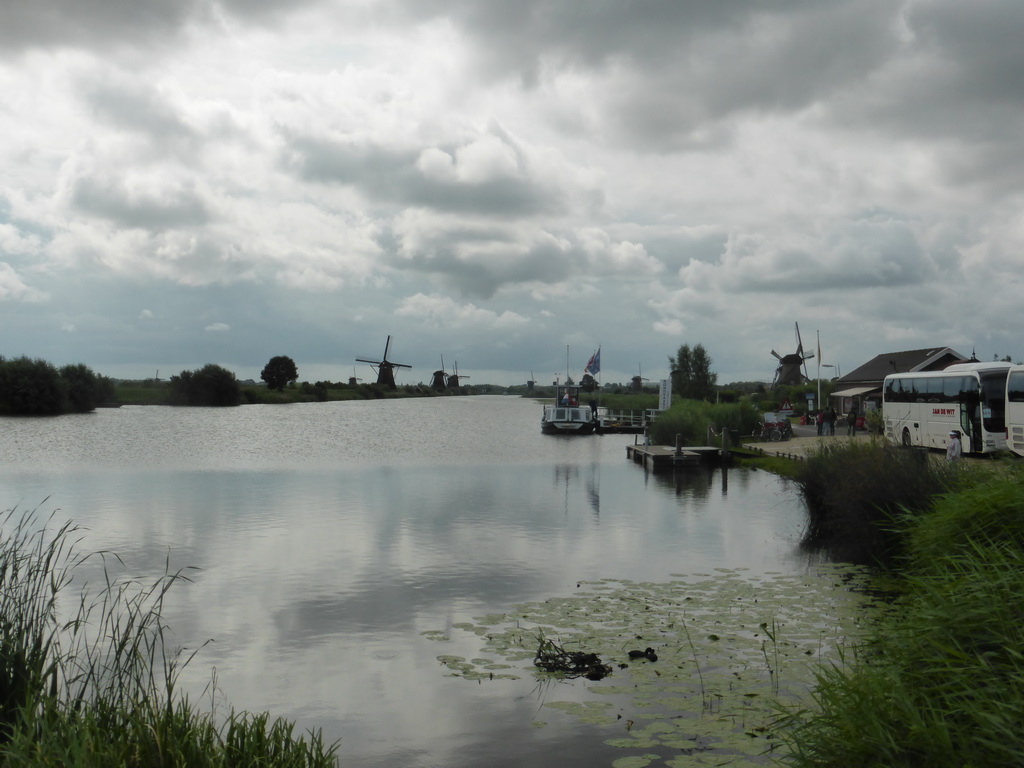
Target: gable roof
[{"x": 876, "y": 369}]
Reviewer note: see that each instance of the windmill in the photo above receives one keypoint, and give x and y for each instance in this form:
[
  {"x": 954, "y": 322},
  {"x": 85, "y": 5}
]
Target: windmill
[
  {"x": 530, "y": 382},
  {"x": 789, "y": 371},
  {"x": 353, "y": 379},
  {"x": 637, "y": 383},
  {"x": 440, "y": 380},
  {"x": 453, "y": 380},
  {"x": 385, "y": 368}
]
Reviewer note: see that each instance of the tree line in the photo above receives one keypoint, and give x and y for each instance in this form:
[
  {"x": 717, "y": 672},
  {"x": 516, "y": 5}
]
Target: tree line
[
  {"x": 38, "y": 388},
  {"x": 35, "y": 387}
]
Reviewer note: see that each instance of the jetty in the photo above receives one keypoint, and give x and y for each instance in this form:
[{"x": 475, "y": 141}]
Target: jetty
[{"x": 655, "y": 457}]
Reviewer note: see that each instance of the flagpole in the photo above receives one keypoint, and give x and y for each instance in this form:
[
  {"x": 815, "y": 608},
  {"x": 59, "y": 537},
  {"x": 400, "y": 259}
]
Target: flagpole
[{"x": 818, "y": 402}]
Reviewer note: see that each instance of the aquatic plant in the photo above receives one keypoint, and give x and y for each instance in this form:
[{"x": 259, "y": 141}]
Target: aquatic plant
[
  {"x": 91, "y": 681},
  {"x": 727, "y": 644}
]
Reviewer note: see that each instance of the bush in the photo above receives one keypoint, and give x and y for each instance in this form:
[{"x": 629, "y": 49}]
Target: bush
[
  {"x": 211, "y": 385},
  {"x": 85, "y": 390},
  {"x": 30, "y": 388}
]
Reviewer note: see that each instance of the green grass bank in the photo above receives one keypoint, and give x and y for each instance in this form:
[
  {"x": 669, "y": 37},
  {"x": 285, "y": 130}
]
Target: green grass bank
[
  {"x": 88, "y": 681},
  {"x": 940, "y": 680}
]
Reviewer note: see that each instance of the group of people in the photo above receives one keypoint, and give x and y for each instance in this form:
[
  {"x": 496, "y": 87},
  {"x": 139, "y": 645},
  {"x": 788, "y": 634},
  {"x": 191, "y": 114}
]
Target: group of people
[{"x": 827, "y": 418}]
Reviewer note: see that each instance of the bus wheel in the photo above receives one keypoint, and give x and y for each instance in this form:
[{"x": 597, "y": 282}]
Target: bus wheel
[{"x": 906, "y": 438}]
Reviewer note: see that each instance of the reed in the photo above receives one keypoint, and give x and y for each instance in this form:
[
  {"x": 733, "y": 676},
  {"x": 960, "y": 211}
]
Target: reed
[
  {"x": 856, "y": 492},
  {"x": 91, "y": 681},
  {"x": 941, "y": 681},
  {"x": 693, "y": 418}
]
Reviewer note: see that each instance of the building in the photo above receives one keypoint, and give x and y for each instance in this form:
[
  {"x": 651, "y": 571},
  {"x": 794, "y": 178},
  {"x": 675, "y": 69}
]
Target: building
[{"x": 863, "y": 387}]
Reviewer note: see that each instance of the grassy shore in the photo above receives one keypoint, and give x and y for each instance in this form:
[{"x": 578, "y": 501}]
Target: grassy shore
[
  {"x": 88, "y": 681},
  {"x": 940, "y": 681}
]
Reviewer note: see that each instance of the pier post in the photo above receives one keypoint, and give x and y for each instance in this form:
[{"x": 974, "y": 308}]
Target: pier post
[{"x": 679, "y": 443}]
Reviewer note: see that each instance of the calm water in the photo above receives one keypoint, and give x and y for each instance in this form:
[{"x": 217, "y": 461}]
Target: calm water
[{"x": 329, "y": 537}]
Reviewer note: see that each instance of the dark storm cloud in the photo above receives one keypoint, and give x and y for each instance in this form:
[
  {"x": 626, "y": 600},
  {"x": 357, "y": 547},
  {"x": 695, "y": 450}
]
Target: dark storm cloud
[
  {"x": 87, "y": 23},
  {"x": 28, "y": 24},
  {"x": 672, "y": 69},
  {"x": 391, "y": 176},
  {"x": 137, "y": 108},
  {"x": 113, "y": 200},
  {"x": 478, "y": 261}
]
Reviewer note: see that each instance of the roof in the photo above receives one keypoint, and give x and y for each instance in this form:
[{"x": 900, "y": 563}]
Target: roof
[
  {"x": 876, "y": 369},
  {"x": 854, "y": 391}
]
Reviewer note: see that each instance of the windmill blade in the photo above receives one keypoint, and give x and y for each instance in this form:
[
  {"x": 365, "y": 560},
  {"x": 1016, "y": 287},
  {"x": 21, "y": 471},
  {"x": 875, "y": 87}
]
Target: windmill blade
[
  {"x": 777, "y": 355},
  {"x": 387, "y": 346},
  {"x": 371, "y": 362}
]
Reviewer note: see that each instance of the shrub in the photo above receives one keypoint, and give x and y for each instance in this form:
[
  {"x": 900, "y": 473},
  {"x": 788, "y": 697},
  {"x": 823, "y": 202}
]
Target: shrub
[
  {"x": 211, "y": 385},
  {"x": 30, "y": 388}
]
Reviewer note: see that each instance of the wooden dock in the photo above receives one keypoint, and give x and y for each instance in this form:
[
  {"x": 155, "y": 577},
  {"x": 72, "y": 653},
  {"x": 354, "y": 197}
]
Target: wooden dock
[{"x": 655, "y": 457}]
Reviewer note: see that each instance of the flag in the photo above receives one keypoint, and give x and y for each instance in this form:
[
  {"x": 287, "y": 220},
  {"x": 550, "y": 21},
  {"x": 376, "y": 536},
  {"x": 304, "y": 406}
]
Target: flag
[
  {"x": 594, "y": 364},
  {"x": 819, "y": 350}
]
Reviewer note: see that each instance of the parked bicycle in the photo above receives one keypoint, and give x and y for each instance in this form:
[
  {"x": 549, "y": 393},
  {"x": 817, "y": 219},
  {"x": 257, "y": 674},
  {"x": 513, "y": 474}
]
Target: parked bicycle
[{"x": 774, "y": 428}]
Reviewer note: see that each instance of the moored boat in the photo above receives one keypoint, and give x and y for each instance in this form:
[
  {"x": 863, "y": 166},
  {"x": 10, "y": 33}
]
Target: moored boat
[{"x": 567, "y": 415}]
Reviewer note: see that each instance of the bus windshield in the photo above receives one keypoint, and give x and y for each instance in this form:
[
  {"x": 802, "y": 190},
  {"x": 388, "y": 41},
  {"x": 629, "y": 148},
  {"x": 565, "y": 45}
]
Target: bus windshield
[{"x": 993, "y": 406}]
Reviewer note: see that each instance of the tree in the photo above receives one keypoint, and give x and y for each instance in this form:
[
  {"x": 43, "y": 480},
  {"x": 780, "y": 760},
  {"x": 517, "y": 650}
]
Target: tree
[
  {"x": 85, "y": 390},
  {"x": 30, "y": 388},
  {"x": 211, "y": 385},
  {"x": 692, "y": 378},
  {"x": 279, "y": 372}
]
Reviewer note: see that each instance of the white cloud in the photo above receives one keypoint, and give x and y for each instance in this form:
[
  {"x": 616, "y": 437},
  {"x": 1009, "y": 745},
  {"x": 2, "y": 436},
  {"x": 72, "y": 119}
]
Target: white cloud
[
  {"x": 651, "y": 176},
  {"x": 218, "y": 328},
  {"x": 443, "y": 312},
  {"x": 14, "y": 288}
]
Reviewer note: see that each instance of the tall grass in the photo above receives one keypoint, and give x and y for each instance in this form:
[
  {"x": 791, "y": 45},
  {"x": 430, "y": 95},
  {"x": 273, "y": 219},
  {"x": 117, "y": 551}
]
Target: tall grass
[
  {"x": 693, "y": 418},
  {"x": 856, "y": 491},
  {"x": 90, "y": 680},
  {"x": 942, "y": 681}
]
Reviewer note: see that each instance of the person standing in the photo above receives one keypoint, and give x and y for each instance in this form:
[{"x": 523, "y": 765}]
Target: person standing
[
  {"x": 851, "y": 422},
  {"x": 953, "y": 449},
  {"x": 820, "y": 418}
]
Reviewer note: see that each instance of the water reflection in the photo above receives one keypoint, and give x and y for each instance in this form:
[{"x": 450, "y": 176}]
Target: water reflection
[{"x": 330, "y": 537}]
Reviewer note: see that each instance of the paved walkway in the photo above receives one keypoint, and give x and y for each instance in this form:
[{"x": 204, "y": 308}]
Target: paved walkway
[{"x": 800, "y": 445}]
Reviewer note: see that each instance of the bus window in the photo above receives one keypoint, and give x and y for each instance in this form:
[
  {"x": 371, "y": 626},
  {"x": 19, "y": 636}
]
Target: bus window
[
  {"x": 1015, "y": 387},
  {"x": 952, "y": 386}
]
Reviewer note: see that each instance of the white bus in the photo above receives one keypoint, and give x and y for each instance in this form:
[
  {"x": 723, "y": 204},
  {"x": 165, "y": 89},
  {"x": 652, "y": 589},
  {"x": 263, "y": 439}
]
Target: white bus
[
  {"x": 921, "y": 409},
  {"x": 1015, "y": 410}
]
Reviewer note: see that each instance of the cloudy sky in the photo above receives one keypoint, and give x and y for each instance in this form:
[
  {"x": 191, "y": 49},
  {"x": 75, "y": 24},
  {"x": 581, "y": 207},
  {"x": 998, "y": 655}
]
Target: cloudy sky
[{"x": 494, "y": 182}]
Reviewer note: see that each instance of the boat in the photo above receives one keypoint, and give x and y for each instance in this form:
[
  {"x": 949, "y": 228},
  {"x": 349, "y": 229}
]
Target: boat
[{"x": 567, "y": 415}]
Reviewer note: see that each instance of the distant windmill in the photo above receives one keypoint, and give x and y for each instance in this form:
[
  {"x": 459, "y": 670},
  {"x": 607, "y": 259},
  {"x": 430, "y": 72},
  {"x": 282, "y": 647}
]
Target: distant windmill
[
  {"x": 530, "y": 383},
  {"x": 353, "y": 381},
  {"x": 440, "y": 380},
  {"x": 789, "y": 371},
  {"x": 385, "y": 368},
  {"x": 453, "y": 380},
  {"x": 637, "y": 384}
]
